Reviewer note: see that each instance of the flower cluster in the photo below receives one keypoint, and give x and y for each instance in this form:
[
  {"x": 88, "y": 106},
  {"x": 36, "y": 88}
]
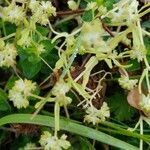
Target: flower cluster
[
  {"x": 29, "y": 146},
  {"x": 72, "y": 5},
  {"x": 41, "y": 11},
  {"x": 145, "y": 103},
  {"x": 8, "y": 54},
  {"x": 127, "y": 83},
  {"x": 13, "y": 13},
  {"x": 49, "y": 142},
  {"x": 20, "y": 92},
  {"x": 92, "y": 34},
  {"x": 59, "y": 90},
  {"x": 96, "y": 116},
  {"x": 124, "y": 12}
]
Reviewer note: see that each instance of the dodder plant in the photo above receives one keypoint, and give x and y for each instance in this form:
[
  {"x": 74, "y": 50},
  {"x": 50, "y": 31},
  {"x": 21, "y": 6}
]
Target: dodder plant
[{"x": 37, "y": 44}]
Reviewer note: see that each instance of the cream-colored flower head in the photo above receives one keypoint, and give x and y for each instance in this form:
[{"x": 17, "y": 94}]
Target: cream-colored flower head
[
  {"x": 96, "y": 116},
  {"x": 72, "y": 5},
  {"x": 41, "y": 11},
  {"x": 124, "y": 12},
  {"x": 29, "y": 146},
  {"x": 20, "y": 92},
  {"x": 8, "y": 55},
  {"x": 49, "y": 142},
  {"x": 127, "y": 83},
  {"x": 13, "y": 13},
  {"x": 92, "y": 34},
  {"x": 145, "y": 103},
  {"x": 59, "y": 90},
  {"x": 91, "y": 5}
]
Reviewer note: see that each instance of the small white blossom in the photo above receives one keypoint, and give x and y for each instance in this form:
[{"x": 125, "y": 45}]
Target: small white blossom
[
  {"x": 8, "y": 55},
  {"x": 96, "y": 116},
  {"x": 92, "y": 34},
  {"x": 138, "y": 53},
  {"x": 145, "y": 103},
  {"x": 91, "y": 5},
  {"x": 60, "y": 88},
  {"x": 20, "y": 92},
  {"x": 125, "y": 13},
  {"x": 29, "y": 146},
  {"x": 33, "y": 5},
  {"x": 40, "y": 49},
  {"x": 41, "y": 11},
  {"x": 126, "y": 83},
  {"x": 48, "y": 8},
  {"x": 13, "y": 13},
  {"x": 72, "y": 5},
  {"x": 49, "y": 142}
]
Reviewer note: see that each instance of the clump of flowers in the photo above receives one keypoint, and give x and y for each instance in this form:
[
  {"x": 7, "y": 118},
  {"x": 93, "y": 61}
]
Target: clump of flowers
[
  {"x": 8, "y": 54},
  {"x": 41, "y": 11},
  {"x": 92, "y": 34},
  {"x": 49, "y": 142},
  {"x": 60, "y": 90},
  {"x": 145, "y": 103},
  {"x": 124, "y": 12},
  {"x": 72, "y": 5},
  {"x": 96, "y": 116},
  {"x": 20, "y": 93},
  {"x": 13, "y": 13},
  {"x": 29, "y": 146},
  {"x": 127, "y": 83}
]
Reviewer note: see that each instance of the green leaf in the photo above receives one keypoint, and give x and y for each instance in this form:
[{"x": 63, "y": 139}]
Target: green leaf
[
  {"x": 109, "y": 4},
  {"x": 48, "y": 46},
  {"x": 146, "y": 24},
  {"x": 29, "y": 62},
  {"x": 81, "y": 143},
  {"x": 67, "y": 125},
  {"x": 29, "y": 68},
  {"x": 4, "y": 105},
  {"x": 135, "y": 65},
  {"x": 88, "y": 16},
  {"x": 43, "y": 30},
  {"x": 119, "y": 106}
]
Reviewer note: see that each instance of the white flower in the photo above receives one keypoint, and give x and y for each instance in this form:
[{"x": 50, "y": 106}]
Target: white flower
[
  {"x": 145, "y": 103},
  {"x": 125, "y": 12},
  {"x": 41, "y": 11},
  {"x": 91, "y": 5},
  {"x": 126, "y": 83},
  {"x": 96, "y": 116},
  {"x": 48, "y": 8},
  {"x": 24, "y": 39},
  {"x": 40, "y": 49},
  {"x": 29, "y": 146},
  {"x": 33, "y": 5},
  {"x": 60, "y": 88},
  {"x": 72, "y": 5},
  {"x": 138, "y": 53},
  {"x": 13, "y": 13},
  {"x": 20, "y": 92},
  {"x": 49, "y": 142},
  {"x": 92, "y": 34},
  {"x": 8, "y": 55},
  {"x": 104, "y": 112}
]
